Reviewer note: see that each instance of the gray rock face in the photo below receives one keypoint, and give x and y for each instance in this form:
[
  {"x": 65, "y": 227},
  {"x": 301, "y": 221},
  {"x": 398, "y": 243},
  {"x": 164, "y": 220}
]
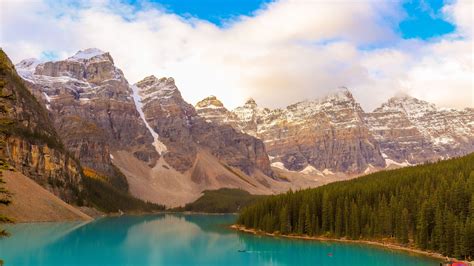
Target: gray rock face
[
  {"x": 334, "y": 133},
  {"x": 184, "y": 132},
  {"x": 415, "y": 131},
  {"x": 90, "y": 102},
  {"x": 325, "y": 134}
]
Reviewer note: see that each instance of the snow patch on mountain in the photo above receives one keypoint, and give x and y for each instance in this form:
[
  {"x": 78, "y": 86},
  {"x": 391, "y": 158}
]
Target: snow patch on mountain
[
  {"x": 327, "y": 172},
  {"x": 157, "y": 89},
  {"x": 390, "y": 162},
  {"x": 279, "y": 165},
  {"x": 86, "y": 54},
  {"x": 26, "y": 68},
  {"x": 160, "y": 147},
  {"x": 309, "y": 169}
]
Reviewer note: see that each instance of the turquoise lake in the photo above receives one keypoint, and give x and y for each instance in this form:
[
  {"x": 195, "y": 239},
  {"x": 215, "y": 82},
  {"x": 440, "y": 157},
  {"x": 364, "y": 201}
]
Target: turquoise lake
[{"x": 169, "y": 239}]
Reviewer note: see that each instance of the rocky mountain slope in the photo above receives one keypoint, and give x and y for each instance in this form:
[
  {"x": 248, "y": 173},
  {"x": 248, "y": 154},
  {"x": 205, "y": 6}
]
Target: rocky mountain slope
[
  {"x": 184, "y": 133},
  {"x": 165, "y": 150},
  {"x": 28, "y": 140},
  {"x": 33, "y": 158},
  {"x": 334, "y": 134},
  {"x": 326, "y": 135},
  {"x": 412, "y": 131},
  {"x": 90, "y": 103},
  {"x": 197, "y": 155}
]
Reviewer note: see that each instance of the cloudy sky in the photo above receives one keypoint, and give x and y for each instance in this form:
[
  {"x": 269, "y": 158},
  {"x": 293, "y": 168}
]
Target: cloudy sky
[{"x": 278, "y": 52}]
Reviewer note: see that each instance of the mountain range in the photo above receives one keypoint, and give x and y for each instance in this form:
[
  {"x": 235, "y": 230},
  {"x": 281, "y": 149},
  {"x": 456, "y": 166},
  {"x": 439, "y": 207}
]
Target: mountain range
[
  {"x": 146, "y": 140},
  {"x": 334, "y": 134}
]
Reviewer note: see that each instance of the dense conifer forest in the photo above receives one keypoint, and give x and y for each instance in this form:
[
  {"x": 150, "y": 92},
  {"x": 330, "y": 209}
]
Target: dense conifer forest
[
  {"x": 224, "y": 200},
  {"x": 430, "y": 207}
]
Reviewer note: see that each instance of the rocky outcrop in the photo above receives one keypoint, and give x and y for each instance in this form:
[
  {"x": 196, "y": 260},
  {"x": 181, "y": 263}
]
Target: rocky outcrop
[
  {"x": 28, "y": 141},
  {"x": 414, "y": 131},
  {"x": 184, "y": 132},
  {"x": 327, "y": 134},
  {"x": 213, "y": 110},
  {"x": 92, "y": 107}
]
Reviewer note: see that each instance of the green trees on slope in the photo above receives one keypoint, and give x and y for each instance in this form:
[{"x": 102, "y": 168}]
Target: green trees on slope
[
  {"x": 224, "y": 200},
  {"x": 4, "y": 200},
  {"x": 428, "y": 206}
]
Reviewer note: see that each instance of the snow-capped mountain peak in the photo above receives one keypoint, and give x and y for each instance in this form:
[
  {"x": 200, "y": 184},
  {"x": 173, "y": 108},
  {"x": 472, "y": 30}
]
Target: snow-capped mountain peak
[
  {"x": 413, "y": 107},
  {"x": 163, "y": 89},
  {"x": 26, "y": 68},
  {"x": 28, "y": 63},
  {"x": 87, "y": 54}
]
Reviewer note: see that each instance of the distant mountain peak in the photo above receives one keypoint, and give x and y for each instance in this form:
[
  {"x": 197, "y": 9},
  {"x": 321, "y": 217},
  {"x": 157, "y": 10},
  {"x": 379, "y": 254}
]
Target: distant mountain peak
[
  {"x": 210, "y": 102},
  {"x": 26, "y": 67},
  {"x": 409, "y": 105},
  {"x": 28, "y": 62},
  {"x": 250, "y": 102},
  {"x": 87, "y": 54},
  {"x": 154, "y": 81},
  {"x": 163, "y": 88},
  {"x": 340, "y": 93},
  {"x": 150, "y": 78}
]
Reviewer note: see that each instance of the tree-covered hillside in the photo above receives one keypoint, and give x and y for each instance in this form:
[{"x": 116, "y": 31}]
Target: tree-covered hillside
[
  {"x": 430, "y": 207},
  {"x": 4, "y": 200},
  {"x": 224, "y": 200}
]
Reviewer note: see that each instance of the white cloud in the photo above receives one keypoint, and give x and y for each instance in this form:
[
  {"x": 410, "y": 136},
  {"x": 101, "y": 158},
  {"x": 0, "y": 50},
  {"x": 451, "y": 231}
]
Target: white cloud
[{"x": 288, "y": 51}]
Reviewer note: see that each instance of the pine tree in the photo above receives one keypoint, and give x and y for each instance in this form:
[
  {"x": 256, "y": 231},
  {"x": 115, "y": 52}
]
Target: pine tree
[
  {"x": 301, "y": 220},
  {"x": 325, "y": 213},
  {"x": 284, "y": 227},
  {"x": 404, "y": 226},
  {"x": 422, "y": 228},
  {"x": 307, "y": 224},
  {"x": 354, "y": 217},
  {"x": 316, "y": 230},
  {"x": 338, "y": 225}
]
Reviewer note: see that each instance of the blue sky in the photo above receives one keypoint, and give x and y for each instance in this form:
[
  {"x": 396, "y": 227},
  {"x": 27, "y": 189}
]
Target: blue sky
[
  {"x": 423, "y": 17},
  {"x": 424, "y": 20},
  {"x": 215, "y": 11}
]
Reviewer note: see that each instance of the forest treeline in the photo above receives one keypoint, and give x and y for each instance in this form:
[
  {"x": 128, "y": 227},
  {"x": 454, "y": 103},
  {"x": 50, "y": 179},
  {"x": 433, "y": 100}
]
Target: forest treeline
[{"x": 430, "y": 207}]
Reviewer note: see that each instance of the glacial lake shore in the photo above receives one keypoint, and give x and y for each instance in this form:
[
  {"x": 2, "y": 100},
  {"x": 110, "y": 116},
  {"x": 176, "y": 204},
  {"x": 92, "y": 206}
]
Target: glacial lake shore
[{"x": 383, "y": 245}]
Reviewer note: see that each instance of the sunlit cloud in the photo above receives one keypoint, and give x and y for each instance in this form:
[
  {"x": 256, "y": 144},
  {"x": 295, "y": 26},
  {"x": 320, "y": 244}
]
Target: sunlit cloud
[{"x": 287, "y": 51}]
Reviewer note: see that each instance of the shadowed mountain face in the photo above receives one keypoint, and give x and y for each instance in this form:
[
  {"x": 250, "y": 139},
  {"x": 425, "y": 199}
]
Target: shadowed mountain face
[
  {"x": 334, "y": 134},
  {"x": 28, "y": 140}
]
